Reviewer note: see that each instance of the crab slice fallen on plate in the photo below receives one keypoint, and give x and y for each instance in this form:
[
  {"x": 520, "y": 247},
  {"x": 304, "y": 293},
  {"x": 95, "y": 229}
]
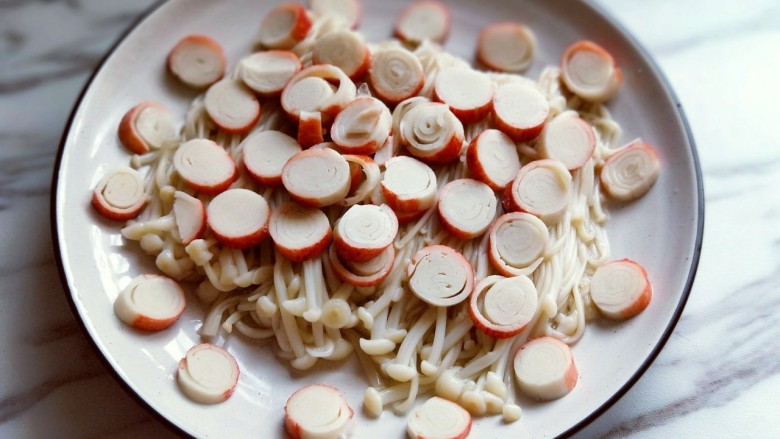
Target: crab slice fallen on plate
[
  {"x": 119, "y": 195},
  {"x": 621, "y": 289},
  {"x": 590, "y": 72},
  {"x": 348, "y": 10},
  {"x": 145, "y": 127},
  {"x": 630, "y": 171},
  {"x": 317, "y": 411},
  {"x": 506, "y": 47},
  {"x": 197, "y": 60},
  {"x": 544, "y": 368},
  {"x": 438, "y": 418},
  {"x": 424, "y": 20},
  {"x": 150, "y": 303},
  {"x": 207, "y": 374}
]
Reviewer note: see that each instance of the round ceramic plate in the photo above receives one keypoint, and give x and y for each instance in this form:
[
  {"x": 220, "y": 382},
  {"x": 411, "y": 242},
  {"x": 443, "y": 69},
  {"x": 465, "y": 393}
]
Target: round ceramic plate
[{"x": 661, "y": 231}]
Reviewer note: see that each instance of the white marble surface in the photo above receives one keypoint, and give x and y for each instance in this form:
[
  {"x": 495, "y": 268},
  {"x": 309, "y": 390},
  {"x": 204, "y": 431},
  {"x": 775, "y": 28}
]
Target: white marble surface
[{"x": 719, "y": 374}]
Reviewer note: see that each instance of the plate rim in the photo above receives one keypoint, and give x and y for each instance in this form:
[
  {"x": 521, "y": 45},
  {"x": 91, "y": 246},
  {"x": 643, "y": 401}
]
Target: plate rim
[{"x": 633, "y": 379}]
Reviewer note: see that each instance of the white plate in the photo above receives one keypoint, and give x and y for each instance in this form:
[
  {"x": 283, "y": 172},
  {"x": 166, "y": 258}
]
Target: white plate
[{"x": 662, "y": 230}]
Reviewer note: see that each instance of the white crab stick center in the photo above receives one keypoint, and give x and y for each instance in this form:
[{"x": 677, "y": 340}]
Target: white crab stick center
[
  {"x": 317, "y": 411},
  {"x": 365, "y": 226},
  {"x": 511, "y": 301},
  {"x": 630, "y": 172},
  {"x": 190, "y": 216},
  {"x": 122, "y": 188},
  {"x": 155, "y": 125},
  {"x": 397, "y": 73},
  {"x": 545, "y": 369},
  {"x": 268, "y": 72},
  {"x": 518, "y": 239},
  {"x": 467, "y": 207},
  {"x": 424, "y": 20},
  {"x": 507, "y": 47},
  {"x": 438, "y": 418},
  {"x": 520, "y": 106},
  {"x": 495, "y": 159},
  {"x": 203, "y": 163},
  {"x": 440, "y": 276},
  {"x": 150, "y": 302},
  {"x": 543, "y": 188},
  {"x": 237, "y": 214},
  {"x": 297, "y": 227},
  {"x": 363, "y": 126},
  {"x": 266, "y": 152},
  {"x": 429, "y": 128},
  {"x": 317, "y": 177},
  {"x": 620, "y": 289},
  {"x": 407, "y": 179},
  {"x": 208, "y": 374},
  {"x": 231, "y": 105},
  {"x": 568, "y": 139}
]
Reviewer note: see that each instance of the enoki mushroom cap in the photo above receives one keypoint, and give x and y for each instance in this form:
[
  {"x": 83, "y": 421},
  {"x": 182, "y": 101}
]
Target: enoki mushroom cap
[
  {"x": 440, "y": 276},
  {"x": 630, "y": 171},
  {"x": 467, "y": 207}
]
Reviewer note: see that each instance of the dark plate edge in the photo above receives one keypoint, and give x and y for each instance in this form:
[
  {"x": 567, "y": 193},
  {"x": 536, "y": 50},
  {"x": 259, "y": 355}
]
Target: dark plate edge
[
  {"x": 55, "y": 234},
  {"x": 699, "y": 226}
]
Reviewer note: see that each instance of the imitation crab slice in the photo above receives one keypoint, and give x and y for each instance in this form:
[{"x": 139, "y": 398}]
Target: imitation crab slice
[
  {"x": 502, "y": 307},
  {"x": 590, "y": 72},
  {"x": 431, "y": 133},
  {"x": 621, "y": 289},
  {"x": 345, "y": 50},
  {"x": 467, "y": 207},
  {"x": 409, "y": 185},
  {"x": 544, "y": 368},
  {"x": 239, "y": 218},
  {"x": 520, "y": 111},
  {"x": 299, "y": 232},
  {"x": 492, "y": 158},
  {"x": 516, "y": 243},
  {"x": 268, "y": 72},
  {"x": 208, "y": 374},
  {"x": 317, "y": 177},
  {"x": 467, "y": 92},
  {"x": 506, "y": 47},
  {"x": 205, "y": 166},
  {"x": 197, "y": 60},
  {"x": 284, "y": 26},
  {"x": 365, "y": 231},
  {"x": 440, "y": 276},
  {"x": 542, "y": 188},
  {"x": 317, "y": 411},
  {"x": 424, "y": 20},
  {"x": 568, "y": 139},
  {"x": 190, "y": 216},
  {"x": 362, "y": 127},
  {"x": 150, "y": 303},
  {"x": 232, "y": 106},
  {"x": 630, "y": 171},
  {"x": 320, "y": 88},
  {"x": 119, "y": 195},
  {"x": 145, "y": 127},
  {"x": 265, "y": 153},
  {"x": 395, "y": 74},
  {"x": 438, "y": 418}
]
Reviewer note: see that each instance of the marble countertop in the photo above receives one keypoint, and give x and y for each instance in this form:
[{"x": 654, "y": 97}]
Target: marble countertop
[{"x": 719, "y": 373}]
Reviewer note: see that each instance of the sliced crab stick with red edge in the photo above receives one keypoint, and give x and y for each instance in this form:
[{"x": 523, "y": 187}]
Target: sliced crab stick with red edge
[
  {"x": 205, "y": 166},
  {"x": 345, "y": 50},
  {"x": 492, "y": 158},
  {"x": 468, "y": 93},
  {"x": 621, "y": 289},
  {"x": 320, "y": 88},
  {"x": 310, "y": 131},
  {"x": 516, "y": 241},
  {"x": 467, "y": 207},
  {"x": 364, "y": 231},
  {"x": 568, "y": 139},
  {"x": 197, "y": 60},
  {"x": 317, "y": 411},
  {"x": 265, "y": 153},
  {"x": 232, "y": 106},
  {"x": 520, "y": 111},
  {"x": 299, "y": 232},
  {"x": 438, "y": 418},
  {"x": 424, "y": 20},
  {"x": 506, "y": 47},
  {"x": 190, "y": 216},
  {"x": 150, "y": 303},
  {"x": 268, "y": 72},
  {"x": 207, "y": 374},
  {"x": 348, "y": 10},
  {"x": 395, "y": 74},
  {"x": 630, "y": 171},
  {"x": 119, "y": 195},
  {"x": 440, "y": 275},
  {"x": 239, "y": 218},
  {"x": 432, "y": 133},
  {"x": 145, "y": 127},
  {"x": 590, "y": 72},
  {"x": 408, "y": 185},
  {"x": 542, "y": 188},
  {"x": 317, "y": 177},
  {"x": 362, "y": 127},
  {"x": 544, "y": 369},
  {"x": 366, "y": 273},
  {"x": 505, "y": 308},
  {"x": 284, "y": 26}
]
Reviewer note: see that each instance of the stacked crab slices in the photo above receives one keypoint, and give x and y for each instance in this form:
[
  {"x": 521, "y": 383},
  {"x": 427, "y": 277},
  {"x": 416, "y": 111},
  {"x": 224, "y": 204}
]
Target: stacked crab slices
[{"x": 335, "y": 195}]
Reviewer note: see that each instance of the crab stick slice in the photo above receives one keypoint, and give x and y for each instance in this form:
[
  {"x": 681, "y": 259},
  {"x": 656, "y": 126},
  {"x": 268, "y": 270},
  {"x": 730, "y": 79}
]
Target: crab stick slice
[
  {"x": 431, "y": 133},
  {"x": 395, "y": 74},
  {"x": 467, "y": 207},
  {"x": 317, "y": 177},
  {"x": 542, "y": 188},
  {"x": 365, "y": 176},
  {"x": 239, "y": 218},
  {"x": 366, "y": 273},
  {"x": 362, "y": 127},
  {"x": 364, "y": 231},
  {"x": 349, "y": 10},
  {"x": 145, "y": 127},
  {"x": 492, "y": 158},
  {"x": 265, "y": 153},
  {"x": 119, "y": 195},
  {"x": 317, "y": 411},
  {"x": 467, "y": 92},
  {"x": 590, "y": 72},
  {"x": 544, "y": 368},
  {"x": 621, "y": 289},
  {"x": 284, "y": 26},
  {"x": 299, "y": 232},
  {"x": 568, "y": 139},
  {"x": 517, "y": 240},
  {"x": 438, "y": 418},
  {"x": 190, "y": 216},
  {"x": 268, "y": 72},
  {"x": 408, "y": 185},
  {"x": 506, "y": 47},
  {"x": 150, "y": 303},
  {"x": 503, "y": 308},
  {"x": 520, "y": 111},
  {"x": 197, "y": 60},
  {"x": 205, "y": 166},
  {"x": 310, "y": 131},
  {"x": 345, "y": 50},
  {"x": 207, "y": 374},
  {"x": 630, "y": 172},
  {"x": 320, "y": 88},
  {"x": 424, "y": 20},
  {"x": 232, "y": 106},
  {"x": 440, "y": 276}
]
